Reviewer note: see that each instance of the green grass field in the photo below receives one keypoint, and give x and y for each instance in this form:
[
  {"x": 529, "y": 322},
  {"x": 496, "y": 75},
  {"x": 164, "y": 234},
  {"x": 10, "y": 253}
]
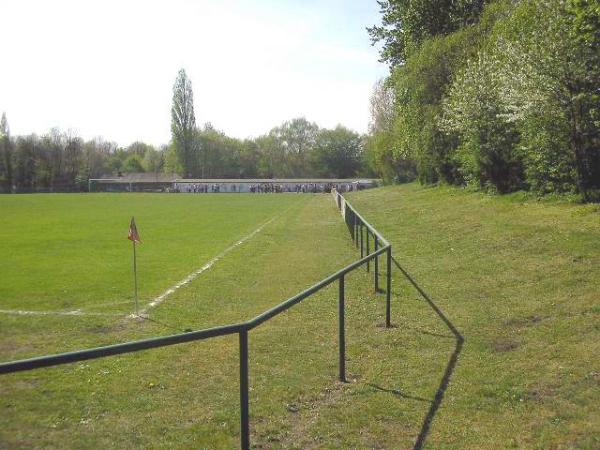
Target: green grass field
[
  {"x": 69, "y": 252},
  {"x": 518, "y": 278},
  {"x": 185, "y": 396}
]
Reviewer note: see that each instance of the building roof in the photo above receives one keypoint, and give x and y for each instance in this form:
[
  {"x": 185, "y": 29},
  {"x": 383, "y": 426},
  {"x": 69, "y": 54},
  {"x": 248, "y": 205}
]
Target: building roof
[
  {"x": 138, "y": 177},
  {"x": 174, "y": 178}
]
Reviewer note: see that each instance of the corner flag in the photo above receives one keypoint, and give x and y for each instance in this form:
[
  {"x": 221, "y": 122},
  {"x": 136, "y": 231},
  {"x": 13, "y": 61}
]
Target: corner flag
[
  {"x": 134, "y": 237},
  {"x": 133, "y": 232}
]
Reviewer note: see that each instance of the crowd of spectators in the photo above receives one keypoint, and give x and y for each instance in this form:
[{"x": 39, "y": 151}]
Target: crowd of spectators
[{"x": 264, "y": 188}]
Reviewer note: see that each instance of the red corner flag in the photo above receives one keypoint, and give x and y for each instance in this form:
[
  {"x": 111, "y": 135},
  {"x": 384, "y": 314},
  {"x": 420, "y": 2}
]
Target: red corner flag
[{"x": 133, "y": 232}]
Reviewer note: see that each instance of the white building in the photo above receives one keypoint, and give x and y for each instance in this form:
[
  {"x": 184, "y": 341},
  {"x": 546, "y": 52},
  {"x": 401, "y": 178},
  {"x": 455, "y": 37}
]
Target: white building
[{"x": 261, "y": 185}]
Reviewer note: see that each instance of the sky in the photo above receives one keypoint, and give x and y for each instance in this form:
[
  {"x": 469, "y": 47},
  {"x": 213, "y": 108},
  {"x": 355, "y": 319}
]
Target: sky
[{"x": 107, "y": 68}]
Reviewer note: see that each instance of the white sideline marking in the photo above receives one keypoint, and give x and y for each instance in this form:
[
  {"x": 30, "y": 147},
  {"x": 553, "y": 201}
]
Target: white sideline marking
[
  {"x": 75, "y": 312},
  {"x": 158, "y": 300},
  {"x": 192, "y": 276},
  {"x": 101, "y": 305}
]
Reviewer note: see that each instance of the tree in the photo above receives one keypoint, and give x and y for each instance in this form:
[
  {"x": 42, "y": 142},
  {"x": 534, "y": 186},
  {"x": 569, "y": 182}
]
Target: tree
[
  {"x": 154, "y": 160},
  {"x": 139, "y": 148},
  {"x": 172, "y": 164},
  {"x": 25, "y": 162},
  {"x": 249, "y": 159},
  {"x": 407, "y": 23},
  {"x": 272, "y": 157},
  {"x": 183, "y": 124},
  {"x": 474, "y": 110},
  {"x": 381, "y": 107},
  {"x": 6, "y": 155},
  {"x": 96, "y": 155},
  {"x": 548, "y": 68},
  {"x": 73, "y": 156},
  {"x": 54, "y": 144},
  {"x": 295, "y": 139},
  {"x": 133, "y": 164},
  {"x": 220, "y": 154},
  {"x": 381, "y": 151},
  {"x": 338, "y": 153}
]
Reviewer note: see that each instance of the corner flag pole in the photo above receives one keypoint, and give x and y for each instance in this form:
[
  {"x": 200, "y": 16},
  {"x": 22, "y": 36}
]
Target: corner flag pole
[
  {"x": 135, "y": 279},
  {"x": 134, "y": 237}
]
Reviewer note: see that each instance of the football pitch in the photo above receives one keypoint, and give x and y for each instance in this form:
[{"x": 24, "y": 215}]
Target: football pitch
[
  {"x": 68, "y": 253},
  {"x": 204, "y": 260}
]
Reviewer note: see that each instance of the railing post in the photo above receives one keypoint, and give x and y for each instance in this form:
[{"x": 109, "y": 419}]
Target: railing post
[
  {"x": 356, "y": 230},
  {"x": 376, "y": 242},
  {"x": 388, "y": 294},
  {"x": 244, "y": 403},
  {"x": 342, "y": 332},
  {"x": 362, "y": 246},
  {"x": 368, "y": 252}
]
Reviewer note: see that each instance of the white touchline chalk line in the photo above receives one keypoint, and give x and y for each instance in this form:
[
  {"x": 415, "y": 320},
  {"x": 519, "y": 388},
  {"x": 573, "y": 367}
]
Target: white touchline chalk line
[
  {"x": 75, "y": 312},
  {"x": 101, "y": 305},
  {"x": 192, "y": 276},
  {"x": 158, "y": 300}
]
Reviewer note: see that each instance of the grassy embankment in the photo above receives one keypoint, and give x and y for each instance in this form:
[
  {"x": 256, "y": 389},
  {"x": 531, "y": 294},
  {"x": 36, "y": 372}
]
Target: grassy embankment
[{"x": 520, "y": 279}]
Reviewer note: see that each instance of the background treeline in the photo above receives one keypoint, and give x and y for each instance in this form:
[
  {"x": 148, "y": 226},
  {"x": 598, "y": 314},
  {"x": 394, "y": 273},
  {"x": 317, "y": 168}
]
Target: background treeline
[
  {"x": 62, "y": 161},
  {"x": 297, "y": 148},
  {"x": 501, "y": 95}
]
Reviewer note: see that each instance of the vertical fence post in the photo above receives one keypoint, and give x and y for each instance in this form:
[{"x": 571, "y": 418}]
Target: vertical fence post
[
  {"x": 376, "y": 242},
  {"x": 342, "y": 332},
  {"x": 368, "y": 252},
  {"x": 362, "y": 246},
  {"x": 244, "y": 403},
  {"x": 356, "y": 222},
  {"x": 388, "y": 294}
]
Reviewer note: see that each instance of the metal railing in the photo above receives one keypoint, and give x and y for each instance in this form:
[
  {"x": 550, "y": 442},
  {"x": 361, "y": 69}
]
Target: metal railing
[{"x": 362, "y": 233}]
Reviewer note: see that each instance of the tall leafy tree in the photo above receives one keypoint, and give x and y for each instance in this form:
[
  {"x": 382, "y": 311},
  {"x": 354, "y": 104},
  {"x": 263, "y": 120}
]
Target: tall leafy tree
[
  {"x": 73, "y": 155},
  {"x": 407, "y": 23},
  {"x": 338, "y": 153},
  {"x": 183, "y": 124},
  {"x": 6, "y": 152},
  {"x": 25, "y": 162},
  {"x": 154, "y": 160},
  {"x": 220, "y": 153},
  {"x": 296, "y": 139},
  {"x": 53, "y": 142}
]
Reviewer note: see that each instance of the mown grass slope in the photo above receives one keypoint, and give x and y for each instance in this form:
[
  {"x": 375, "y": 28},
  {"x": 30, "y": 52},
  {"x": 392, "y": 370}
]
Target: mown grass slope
[{"x": 520, "y": 279}]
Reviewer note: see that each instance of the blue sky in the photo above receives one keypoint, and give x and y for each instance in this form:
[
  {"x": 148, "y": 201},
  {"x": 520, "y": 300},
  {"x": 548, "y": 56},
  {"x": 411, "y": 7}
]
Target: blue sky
[{"x": 107, "y": 68}]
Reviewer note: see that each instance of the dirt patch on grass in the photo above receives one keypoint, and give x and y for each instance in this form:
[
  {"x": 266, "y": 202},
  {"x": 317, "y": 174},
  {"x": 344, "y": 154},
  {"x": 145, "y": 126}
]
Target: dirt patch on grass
[
  {"x": 593, "y": 377},
  {"x": 106, "y": 329},
  {"x": 304, "y": 414},
  {"x": 17, "y": 385},
  {"x": 503, "y": 345},
  {"x": 522, "y": 322},
  {"x": 10, "y": 350},
  {"x": 541, "y": 393}
]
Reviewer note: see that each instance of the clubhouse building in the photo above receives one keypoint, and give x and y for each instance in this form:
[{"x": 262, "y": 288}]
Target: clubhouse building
[{"x": 150, "y": 182}]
